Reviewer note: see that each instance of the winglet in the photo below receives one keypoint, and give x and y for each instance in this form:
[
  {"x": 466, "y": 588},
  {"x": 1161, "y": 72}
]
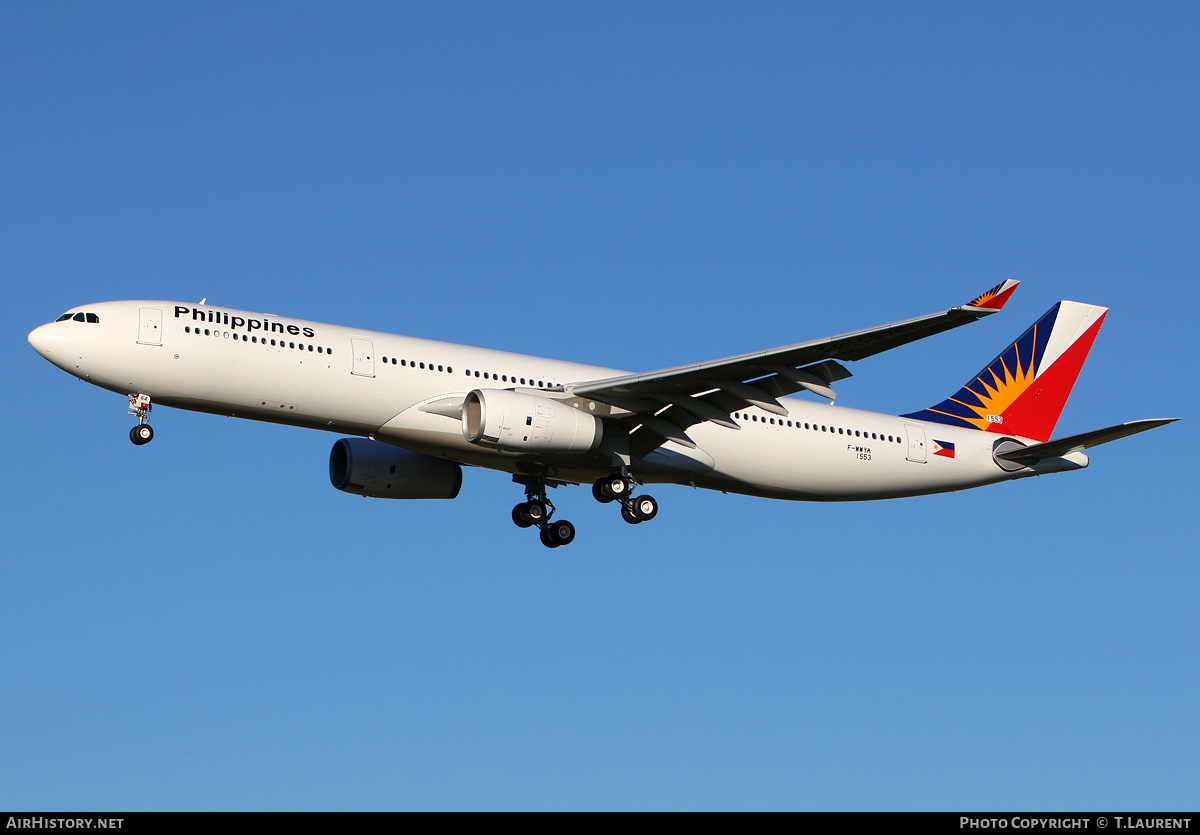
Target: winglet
[{"x": 995, "y": 298}]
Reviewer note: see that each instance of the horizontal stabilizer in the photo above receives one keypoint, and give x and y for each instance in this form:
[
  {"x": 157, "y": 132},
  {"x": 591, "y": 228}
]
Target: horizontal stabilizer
[{"x": 1076, "y": 443}]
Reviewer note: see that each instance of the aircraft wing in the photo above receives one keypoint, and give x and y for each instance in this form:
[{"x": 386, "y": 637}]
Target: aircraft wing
[{"x": 687, "y": 394}]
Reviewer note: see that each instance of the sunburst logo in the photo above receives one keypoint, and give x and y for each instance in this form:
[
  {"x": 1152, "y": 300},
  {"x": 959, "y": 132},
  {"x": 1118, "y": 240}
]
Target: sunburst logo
[
  {"x": 985, "y": 400},
  {"x": 996, "y": 388},
  {"x": 1023, "y": 391}
]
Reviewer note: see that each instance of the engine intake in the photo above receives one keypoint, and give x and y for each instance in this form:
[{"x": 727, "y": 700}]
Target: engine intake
[
  {"x": 510, "y": 420},
  {"x": 383, "y": 471}
]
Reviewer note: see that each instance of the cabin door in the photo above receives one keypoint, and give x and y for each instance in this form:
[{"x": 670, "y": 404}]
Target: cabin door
[
  {"x": 364, "y": 357},
  {"x": 916, "y": 442},
  {"x": 149, "y": 326}
]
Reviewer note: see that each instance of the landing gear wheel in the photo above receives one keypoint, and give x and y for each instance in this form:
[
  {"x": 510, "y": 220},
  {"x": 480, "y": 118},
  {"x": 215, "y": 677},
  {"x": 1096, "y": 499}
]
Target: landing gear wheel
[
  {"x": 600, "y": 491},
  {"x": 559, "y": 533},
  {"x": 644, "y": 508},
  {"x": 629, "y": 516},
  {"x": 615, "y": 486},
  {"x": 518, "y": 516},
  {"x": 534, "y": 512},
  {"x": 141, "y": 434}
]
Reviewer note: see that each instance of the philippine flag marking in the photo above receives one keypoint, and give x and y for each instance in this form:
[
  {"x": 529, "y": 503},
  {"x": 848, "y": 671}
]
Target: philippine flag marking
[{"x": 943, "y": 448}]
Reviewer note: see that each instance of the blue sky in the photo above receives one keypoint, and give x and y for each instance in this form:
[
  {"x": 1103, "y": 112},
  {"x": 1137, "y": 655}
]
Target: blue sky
[{"x": 204, "y": 623}]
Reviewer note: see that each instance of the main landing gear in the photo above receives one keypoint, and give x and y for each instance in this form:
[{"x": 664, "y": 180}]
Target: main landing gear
[
  {"x": 139, "y": 407},
  {"x": 537, "y": 510},
  {"x": 617, "y": 487}
]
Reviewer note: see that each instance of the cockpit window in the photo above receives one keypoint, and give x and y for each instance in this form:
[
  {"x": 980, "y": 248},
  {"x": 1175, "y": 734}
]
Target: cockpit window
[
  {"x": 90, "y": 318},
  {"x": 63, "y": 318},
  {"x": 93, "y": 318},
  {"x": 78, "y": 317}
]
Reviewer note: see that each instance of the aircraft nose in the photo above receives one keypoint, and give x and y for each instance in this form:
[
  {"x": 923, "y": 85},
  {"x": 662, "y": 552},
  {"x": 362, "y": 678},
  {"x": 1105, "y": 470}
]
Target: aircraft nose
[{"x": 41, "y": 339}]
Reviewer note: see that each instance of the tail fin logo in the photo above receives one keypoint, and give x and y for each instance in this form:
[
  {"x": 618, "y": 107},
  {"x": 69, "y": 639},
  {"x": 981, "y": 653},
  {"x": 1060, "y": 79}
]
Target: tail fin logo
[{"x": 1023, "y": 391}]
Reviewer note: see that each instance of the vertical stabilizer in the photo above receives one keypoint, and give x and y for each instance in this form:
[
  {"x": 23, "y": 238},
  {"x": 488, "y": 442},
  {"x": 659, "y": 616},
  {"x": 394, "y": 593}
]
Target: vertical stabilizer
[{"x": 1023, "y": 391}]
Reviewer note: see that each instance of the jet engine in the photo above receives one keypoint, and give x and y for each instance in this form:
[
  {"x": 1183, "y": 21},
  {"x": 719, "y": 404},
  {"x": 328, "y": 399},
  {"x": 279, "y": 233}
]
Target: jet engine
[
  {"x": 526, "y": 422},
  {"x": 383, "y": 471}
]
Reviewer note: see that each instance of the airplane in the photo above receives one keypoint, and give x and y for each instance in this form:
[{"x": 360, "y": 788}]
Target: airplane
[{"x": 419, "y": 411}]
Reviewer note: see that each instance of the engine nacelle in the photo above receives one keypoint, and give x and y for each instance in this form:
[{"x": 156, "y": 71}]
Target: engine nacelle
[
  {"x": 525, "y": 422},
  {"x": 383, "y": 471}
]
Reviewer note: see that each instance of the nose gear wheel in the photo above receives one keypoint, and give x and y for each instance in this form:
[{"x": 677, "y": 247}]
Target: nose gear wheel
[{"x": 139, "y": 407}]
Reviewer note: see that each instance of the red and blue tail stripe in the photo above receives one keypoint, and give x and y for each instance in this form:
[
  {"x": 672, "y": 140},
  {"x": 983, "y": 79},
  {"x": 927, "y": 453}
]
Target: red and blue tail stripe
[{"x": 1023, "y": 391}]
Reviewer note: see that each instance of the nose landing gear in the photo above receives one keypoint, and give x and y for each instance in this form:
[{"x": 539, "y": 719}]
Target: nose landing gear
[{"x": 139, "y": 407}]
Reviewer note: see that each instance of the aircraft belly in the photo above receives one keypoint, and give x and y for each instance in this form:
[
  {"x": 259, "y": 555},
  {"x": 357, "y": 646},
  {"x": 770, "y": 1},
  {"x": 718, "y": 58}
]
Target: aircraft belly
[{"x": 675, "y": 462}]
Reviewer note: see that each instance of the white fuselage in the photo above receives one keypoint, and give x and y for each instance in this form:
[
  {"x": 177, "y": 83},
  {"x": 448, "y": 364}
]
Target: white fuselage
[{"x": 386, "y": 386}]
